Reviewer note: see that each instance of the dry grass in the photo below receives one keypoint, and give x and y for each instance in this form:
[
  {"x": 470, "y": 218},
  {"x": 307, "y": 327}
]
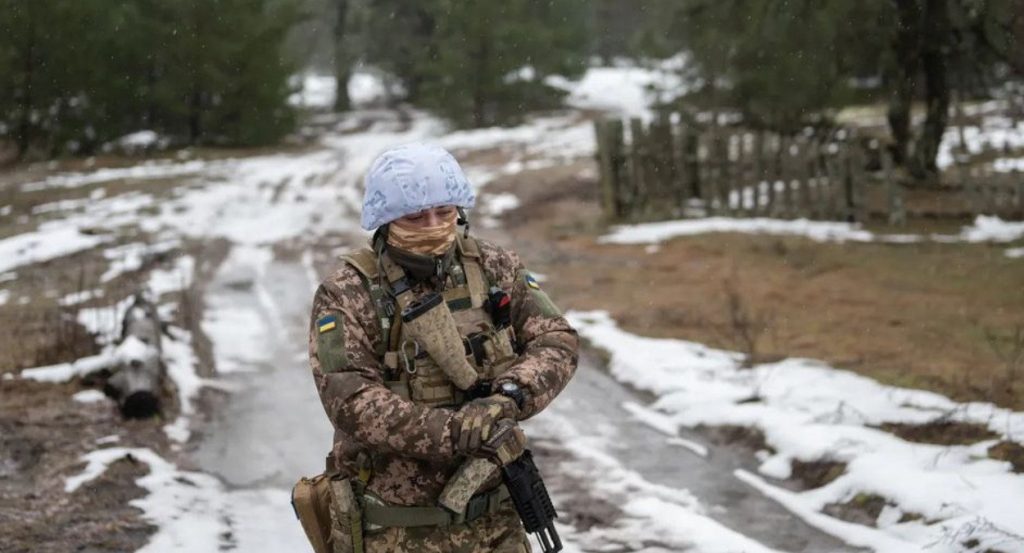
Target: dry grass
[{"x": 908, "y": 315}]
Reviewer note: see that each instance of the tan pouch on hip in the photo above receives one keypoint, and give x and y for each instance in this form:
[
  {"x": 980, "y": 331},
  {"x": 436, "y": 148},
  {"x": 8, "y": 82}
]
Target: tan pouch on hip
[{"x": 329, "y": 514}]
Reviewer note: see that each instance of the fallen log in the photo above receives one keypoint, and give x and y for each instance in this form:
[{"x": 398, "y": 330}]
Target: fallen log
[{"x": 137, "y": 378}]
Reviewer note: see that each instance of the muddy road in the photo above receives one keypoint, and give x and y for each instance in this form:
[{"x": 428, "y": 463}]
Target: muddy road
[{"x": 272, "y": 428}]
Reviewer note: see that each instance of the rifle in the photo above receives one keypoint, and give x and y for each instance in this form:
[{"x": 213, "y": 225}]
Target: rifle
[{"x": 525, "y": 486}]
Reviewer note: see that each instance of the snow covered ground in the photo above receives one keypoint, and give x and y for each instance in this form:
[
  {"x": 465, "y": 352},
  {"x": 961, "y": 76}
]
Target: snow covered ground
[
  {"x": 984, "y": 229},
  {"x": 807, "y": 411},
  {"x": 938, "y": 498}
]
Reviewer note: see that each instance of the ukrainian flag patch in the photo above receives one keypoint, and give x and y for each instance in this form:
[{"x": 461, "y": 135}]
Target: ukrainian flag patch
[
  {"x": 327, "y": 323},
  {"x": 532, "y": 282}
]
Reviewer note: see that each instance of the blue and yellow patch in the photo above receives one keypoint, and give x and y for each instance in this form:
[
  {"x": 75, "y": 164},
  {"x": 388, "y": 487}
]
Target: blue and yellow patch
[
  {"x": 327, "y": 323},
  {"x": 532, "y": 282}
]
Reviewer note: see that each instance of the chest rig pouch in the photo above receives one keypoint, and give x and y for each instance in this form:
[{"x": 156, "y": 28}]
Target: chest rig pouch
[{"x": 410, "y": 371}]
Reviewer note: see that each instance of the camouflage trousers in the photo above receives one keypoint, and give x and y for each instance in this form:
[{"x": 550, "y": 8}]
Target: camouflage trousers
[{"x": 497, "y": 532}]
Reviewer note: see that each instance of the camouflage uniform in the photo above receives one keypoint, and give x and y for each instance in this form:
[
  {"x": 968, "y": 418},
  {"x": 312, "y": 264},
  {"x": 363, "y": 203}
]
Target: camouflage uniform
[{"x": 410, "y": 444}]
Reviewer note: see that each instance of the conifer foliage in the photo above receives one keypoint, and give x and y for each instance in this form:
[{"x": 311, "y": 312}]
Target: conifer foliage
[{"x": 79, "y": 73}]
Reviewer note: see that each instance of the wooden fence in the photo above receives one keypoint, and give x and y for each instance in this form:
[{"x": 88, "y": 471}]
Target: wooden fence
[{"x": 662, "y": 169}]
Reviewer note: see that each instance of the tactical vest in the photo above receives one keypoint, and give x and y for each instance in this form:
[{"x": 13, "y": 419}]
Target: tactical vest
[{"x": 411, "y": 373}]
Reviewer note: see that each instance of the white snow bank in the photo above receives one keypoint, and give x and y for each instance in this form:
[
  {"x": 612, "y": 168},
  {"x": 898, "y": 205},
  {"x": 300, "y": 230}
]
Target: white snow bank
[
  {"x": 139, "y": 142},
  {"x": 175, "y": 278},
  {"x": 89, "y": 396},
  {"x": 46, "y": 243},
  {"x": 144, "y": 171},
  {"x": 130, "y": 257},
  {"x": 625, "y": 90},
  {"x": 365, "y": 88},
  {"x": 984, "y": 229},
  {"x": 992, "y": 229},
  {"x": 75, "y": 298},
  {"x": 809, "y": 411},
  {"x": 194, "y": 511},
  {"x": 556, "y": 138},
  {"x": 1008, "y": 165},
  {"x": 1015, "y": 252},
  {"x": 64, "y": 372},
  {"x": 314, "y": 91},
  {"x": 180, "y": 361},
  {"x": 994, "y": 133},
  {"x": 130, "y": 349},
  {"x": 819, "y": 231}
]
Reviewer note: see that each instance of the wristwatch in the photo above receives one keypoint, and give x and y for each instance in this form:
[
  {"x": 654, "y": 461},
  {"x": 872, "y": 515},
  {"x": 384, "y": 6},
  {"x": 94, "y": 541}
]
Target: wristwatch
[{"x": 512, "y": 390}]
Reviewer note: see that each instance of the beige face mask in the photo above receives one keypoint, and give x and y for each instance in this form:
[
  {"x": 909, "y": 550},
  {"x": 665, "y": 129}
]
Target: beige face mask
[{"x": 433, "y": 240}]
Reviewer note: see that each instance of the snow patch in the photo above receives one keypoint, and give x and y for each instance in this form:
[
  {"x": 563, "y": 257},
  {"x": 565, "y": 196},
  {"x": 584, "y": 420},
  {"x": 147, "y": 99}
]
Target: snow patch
[
  {"x": 64, "y": 372},
  {"x": 46, "y": 243},
  {"x": 809, "y": 411},
  {"x": 76, "y": 298},
  {"x": 89, "y": 396},
  {"x": 984, "y": 229},
  {"x": 145, "y": 171},
  {"x": 625, "y": 90},
  {"x": 194, "y": 511},
  {"x": 994, "y": 133},
  {"x": 173, "y": 279},
  {"x": 237, "y": 329},
  {"x": 672, "y": 517},
  {"x": 180, "y": 361}
]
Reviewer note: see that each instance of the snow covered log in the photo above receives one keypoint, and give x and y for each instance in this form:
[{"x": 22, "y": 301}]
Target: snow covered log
[{"x": 137, "y": 379}]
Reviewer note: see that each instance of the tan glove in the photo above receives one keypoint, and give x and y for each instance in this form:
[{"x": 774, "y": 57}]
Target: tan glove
[
  {"x": 473, "y": 423},
  {"x": 507, "y": 443}
]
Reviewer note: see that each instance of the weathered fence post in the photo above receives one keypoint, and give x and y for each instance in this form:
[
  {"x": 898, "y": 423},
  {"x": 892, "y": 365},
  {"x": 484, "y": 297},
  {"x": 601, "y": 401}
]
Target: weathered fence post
[
  {"x": 894, "y": 192},
  {"x": 759, "y": 171},
  {"x": 660, "y": 143},
  {"x": 1019, "y": 177},
  {"x": 609, "y": 148},
  {"x": 638, "y": 169}
]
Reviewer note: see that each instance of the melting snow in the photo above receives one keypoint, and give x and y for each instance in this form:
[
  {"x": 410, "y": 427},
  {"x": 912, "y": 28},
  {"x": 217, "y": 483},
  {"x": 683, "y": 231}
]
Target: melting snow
[
  {"x": 809, "y": 412},
  {"x": 984, "y": 229},
  {"x": 89, "y": 396},
  {"x": 194, "y": 511}
]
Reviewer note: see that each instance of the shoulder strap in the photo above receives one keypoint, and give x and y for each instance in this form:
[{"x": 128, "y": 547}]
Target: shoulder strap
[
  {"x": 365, "y": 261},
  {"x": 476, "y": 278}
]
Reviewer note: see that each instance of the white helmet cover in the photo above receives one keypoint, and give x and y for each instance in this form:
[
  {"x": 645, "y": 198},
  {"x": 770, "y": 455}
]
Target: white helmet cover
[{"x": 410, "y": 178}]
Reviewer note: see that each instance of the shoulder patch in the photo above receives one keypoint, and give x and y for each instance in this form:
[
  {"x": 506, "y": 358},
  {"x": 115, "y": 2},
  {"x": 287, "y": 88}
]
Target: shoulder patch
[
  {"x": 547, "y": 307},
  {"x": 330, "y": 344},
  {"x": 327, "y": 323}
]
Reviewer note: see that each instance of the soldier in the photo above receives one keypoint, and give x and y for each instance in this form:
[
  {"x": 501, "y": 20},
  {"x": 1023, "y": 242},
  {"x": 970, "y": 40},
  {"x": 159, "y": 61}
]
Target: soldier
[{"x": 403, "y": 426}]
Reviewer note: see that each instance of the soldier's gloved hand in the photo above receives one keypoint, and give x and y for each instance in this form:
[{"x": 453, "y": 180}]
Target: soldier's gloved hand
[
  {"x": 506, "y": 444},
  {"x": 509, "y": 409},
  {"x": 472, "y": 425}
]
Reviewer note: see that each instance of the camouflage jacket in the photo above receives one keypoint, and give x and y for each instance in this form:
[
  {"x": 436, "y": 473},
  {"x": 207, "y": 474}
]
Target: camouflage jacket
[{"x": 410, "y": 444}]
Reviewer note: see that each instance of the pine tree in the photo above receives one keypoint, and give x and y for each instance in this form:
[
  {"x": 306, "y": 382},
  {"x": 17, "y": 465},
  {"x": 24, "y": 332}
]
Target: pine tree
[
  {"x": 82, "y": 72},
  {"x": 489, "y": 59}
]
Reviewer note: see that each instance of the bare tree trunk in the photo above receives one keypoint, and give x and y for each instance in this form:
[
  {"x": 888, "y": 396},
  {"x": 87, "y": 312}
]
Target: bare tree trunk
[
  {"x": 906, "y": 48},
  {"x": 24, "y": 138},
  {"x": 342, "y": 57},
  {"x": 195, "y": 106},
  {"x": 479, "y": 82},
  {"x": 934, "y": 60}
]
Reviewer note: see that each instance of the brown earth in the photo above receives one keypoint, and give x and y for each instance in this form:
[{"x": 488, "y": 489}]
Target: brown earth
[
  {"x": 915, "y": 315},
  {"x": 907, "y": 315}
]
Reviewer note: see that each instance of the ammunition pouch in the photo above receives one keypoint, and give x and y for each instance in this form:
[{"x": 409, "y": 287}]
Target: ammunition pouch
[{"x": 329, "y": 512}]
